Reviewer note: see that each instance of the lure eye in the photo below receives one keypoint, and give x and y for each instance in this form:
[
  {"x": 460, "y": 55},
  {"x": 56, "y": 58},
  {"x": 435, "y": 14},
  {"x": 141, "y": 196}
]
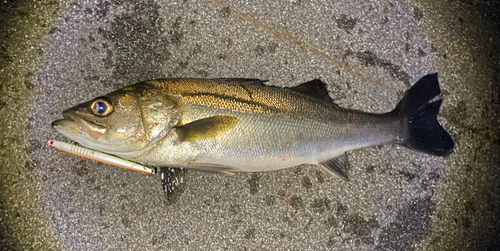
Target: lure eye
[{"x": 101, "y": 107}]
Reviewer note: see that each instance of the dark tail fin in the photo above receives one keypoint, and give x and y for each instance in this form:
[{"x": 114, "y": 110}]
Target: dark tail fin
[{"x": 419, "y": 108}]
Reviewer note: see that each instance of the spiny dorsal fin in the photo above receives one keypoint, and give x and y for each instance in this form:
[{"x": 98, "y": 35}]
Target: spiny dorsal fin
[
  {"x": 250, "y": 81},
  {"x": 316, "y": 88},
  {"x": 336, "y": 166},
  {"x": 206, "y": 128}
]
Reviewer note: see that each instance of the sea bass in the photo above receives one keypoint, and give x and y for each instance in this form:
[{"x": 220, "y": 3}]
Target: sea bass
[{"x": 242, "y": 125}]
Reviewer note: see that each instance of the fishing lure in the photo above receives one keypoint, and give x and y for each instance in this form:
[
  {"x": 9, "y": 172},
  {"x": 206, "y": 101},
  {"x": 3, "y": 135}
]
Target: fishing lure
[
  {"x": 100, "y": 156},
  {"x": 171, "y": 178}
]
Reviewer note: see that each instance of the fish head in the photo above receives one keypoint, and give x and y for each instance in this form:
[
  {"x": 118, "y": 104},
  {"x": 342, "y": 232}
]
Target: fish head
[{"x": 121, "y": 122}]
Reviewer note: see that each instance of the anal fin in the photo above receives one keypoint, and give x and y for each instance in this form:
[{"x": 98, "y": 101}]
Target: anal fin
[{"x": 336, "y": 166}]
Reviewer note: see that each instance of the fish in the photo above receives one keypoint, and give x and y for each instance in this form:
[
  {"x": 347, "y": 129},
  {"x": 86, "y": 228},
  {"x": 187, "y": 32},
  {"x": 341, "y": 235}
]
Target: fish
[{"x": 230, "y": 125}]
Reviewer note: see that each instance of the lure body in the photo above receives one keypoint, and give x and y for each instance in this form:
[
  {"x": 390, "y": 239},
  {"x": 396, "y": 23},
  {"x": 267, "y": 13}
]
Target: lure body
[{"x": 99, "y": 156}]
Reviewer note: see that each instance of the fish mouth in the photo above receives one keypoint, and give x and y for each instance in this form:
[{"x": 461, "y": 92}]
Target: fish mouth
[
  {"x": 74, "y": 127},
  {"x": 94, "y": 135}
]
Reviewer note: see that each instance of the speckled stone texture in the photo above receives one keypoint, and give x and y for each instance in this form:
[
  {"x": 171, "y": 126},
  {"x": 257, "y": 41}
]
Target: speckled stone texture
[{"x": 368, "y": 52}]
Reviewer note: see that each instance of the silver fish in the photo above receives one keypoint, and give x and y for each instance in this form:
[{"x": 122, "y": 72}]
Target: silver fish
[{"x": 241, "y": 125}]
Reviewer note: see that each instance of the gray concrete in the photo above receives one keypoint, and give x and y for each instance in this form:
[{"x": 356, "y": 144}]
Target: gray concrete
[
  {"x": 24, "y": 27},
  {"x": 368, "y": 52}
]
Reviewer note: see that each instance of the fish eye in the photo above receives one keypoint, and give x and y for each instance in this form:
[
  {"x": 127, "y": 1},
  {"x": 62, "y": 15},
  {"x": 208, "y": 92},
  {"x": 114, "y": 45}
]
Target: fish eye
[{"x": 101, "y": 107}]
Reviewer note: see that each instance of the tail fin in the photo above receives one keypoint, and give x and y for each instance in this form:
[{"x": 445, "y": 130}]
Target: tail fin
[{"x": 419, "y": 108}]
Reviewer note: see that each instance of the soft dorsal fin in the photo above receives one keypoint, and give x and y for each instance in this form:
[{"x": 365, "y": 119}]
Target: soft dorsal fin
[
  {"x": 336, "y": 166},
  {"x": 316, "y": 88},
  {"x": 250, "y": 81},
  {"x": 206, "y": 128}
]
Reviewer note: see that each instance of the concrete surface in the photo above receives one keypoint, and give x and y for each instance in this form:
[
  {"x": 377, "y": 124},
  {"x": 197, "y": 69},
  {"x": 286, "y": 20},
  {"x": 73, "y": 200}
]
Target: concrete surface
[{"x": 56, "y": 55}]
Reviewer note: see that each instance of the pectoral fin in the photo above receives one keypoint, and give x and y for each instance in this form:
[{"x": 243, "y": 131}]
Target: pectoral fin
[
  {"x": 336, "y": 166},
  {"x": 206, "y": 128}
]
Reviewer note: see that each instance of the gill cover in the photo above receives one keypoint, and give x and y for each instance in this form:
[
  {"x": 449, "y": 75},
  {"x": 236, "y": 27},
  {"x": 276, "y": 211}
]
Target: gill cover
[{"x": 159, "y": 113}]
